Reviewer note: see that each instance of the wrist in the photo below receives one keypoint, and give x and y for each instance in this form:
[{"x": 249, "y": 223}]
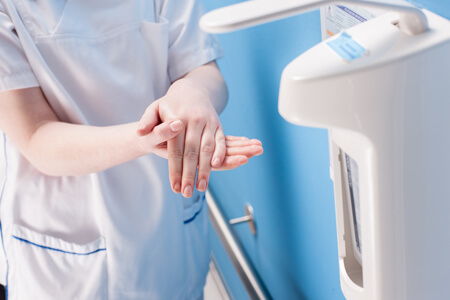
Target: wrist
[
  {"x": 189, "y": 87},
  {"x": 135, "y": 142}
]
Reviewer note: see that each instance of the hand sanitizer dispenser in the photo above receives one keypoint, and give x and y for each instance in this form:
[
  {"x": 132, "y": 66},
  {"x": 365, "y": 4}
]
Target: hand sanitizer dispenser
[{"x": 382, "y": 89}]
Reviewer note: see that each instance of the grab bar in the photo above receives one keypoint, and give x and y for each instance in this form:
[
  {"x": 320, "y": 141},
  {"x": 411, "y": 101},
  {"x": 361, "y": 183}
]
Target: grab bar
[{"x": 252, "y": 283}]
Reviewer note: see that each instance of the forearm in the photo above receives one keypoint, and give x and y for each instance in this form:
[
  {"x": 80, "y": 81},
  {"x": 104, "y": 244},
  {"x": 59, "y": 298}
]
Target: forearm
[
  {"x": 209, "y": 81},
  {"x": 62, "y": 149}
]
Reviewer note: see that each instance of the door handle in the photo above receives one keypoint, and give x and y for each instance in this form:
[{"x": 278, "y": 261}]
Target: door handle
[{"x": 247, "y": 218}]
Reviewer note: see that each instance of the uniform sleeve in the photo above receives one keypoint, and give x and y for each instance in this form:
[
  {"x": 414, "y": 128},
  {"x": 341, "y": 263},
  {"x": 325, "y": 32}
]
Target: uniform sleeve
[
  {"x": 15, "y": 71},
  {"x": 189, "y": 46}
]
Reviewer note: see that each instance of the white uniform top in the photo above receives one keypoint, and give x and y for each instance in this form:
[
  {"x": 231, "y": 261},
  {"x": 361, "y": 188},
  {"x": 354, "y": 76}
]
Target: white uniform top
[{"x": 121, "y": 233}]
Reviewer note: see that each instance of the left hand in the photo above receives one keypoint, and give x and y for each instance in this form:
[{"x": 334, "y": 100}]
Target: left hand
[
  {"x": 202, "y": 141},
  {"x": 239, "y": 151},
  {"x": 201, "y": 144}
]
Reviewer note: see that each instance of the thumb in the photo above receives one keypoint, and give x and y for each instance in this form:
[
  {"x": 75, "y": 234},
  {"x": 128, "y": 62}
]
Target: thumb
[
  {"x": 149, "y": 120},
  {"x": 166, "y": 131}
]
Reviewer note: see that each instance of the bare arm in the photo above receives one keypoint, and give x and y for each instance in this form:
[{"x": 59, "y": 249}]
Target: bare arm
[
  {"x": 209, "y": 78},
  {"x": 62, "y": 149},
  {"x": 58, "y": 149}
]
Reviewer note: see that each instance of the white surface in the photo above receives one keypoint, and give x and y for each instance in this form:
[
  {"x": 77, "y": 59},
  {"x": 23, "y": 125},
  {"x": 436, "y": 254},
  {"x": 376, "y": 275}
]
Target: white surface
[
  {"x": 214, "y": 288},
  {"x": 317, "y": 68},
  {"x": 389, "y": 111}
]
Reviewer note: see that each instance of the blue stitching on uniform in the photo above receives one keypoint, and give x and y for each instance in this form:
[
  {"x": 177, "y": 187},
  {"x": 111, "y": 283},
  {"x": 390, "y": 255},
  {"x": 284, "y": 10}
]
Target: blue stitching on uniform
[
  {"x": 1, "y": 228},
  {"x": 196, "y": 214},
  {"x": 59, "y": 250}
]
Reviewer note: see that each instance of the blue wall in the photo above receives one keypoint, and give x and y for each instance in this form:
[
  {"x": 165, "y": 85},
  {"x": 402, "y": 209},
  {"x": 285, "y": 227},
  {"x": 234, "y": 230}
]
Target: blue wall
[{"x": 295, "y": 251}]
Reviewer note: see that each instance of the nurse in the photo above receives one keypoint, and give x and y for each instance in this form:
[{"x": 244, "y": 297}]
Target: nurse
[{"x": 95, "y": 97}]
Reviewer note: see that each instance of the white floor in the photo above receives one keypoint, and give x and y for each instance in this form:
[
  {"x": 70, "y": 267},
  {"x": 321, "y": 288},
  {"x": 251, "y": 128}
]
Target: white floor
[{"x": 214, "y": 288}]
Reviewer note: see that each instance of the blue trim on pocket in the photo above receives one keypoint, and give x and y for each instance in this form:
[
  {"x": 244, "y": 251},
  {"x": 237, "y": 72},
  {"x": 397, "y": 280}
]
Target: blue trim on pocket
[
  {"x": 59, "y": 250},
  {"x": 197, "y": 213}
]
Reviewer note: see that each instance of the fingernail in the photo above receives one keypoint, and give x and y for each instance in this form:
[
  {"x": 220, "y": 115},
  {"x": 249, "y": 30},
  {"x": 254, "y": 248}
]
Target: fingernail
[
  {"x": 202, "y": 185},
  {"x": 216, "y": 162},
  {"x": 176, "y": 187},
  {"x": 141, "y": 126},
  {"x": 175, "y": 126},
  {"x": 188, "y": 191}
]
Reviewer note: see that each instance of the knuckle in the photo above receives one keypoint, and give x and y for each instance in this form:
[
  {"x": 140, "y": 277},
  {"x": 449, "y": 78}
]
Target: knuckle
[
  {"x": 176, "y": 154},
  {"x": 208, "y": 149},
  {"x": 197, "y": 120},
  {"x": 174, "y": 177},
  {"x": 213, "y": 121},
  {"x": 191, "y": 155},
  {"x": 160, "y": 133},
  {"x": 220, "y": 138},
  {"x": 203, "y": 173},
  {"x": 189, "y": 177}
]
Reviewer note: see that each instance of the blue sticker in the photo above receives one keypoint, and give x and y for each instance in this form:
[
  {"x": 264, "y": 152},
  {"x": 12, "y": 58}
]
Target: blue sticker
[{"x": 347, "y": 47}]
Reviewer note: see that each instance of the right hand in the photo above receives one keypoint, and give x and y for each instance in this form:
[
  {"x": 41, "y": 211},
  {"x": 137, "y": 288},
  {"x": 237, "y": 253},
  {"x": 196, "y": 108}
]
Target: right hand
[
  {"x": 238, "y": 150},
  {"x": 200, "y": 145}
]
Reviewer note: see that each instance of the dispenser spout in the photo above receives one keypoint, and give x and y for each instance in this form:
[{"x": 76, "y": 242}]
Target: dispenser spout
[{"x": 412, "y": 20}]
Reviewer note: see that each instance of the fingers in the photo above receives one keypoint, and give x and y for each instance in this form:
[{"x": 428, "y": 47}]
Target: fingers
[
  {"x": 243, "y": 143},
  {"x": 220, "y": 149},
  {"x": 235, "y": 138},
  {"x": 238, "y": 152},
  {"x": 232, "y": 162},
  {"x": 200, "y": 147},
  {"x": 166, "y": 131},
  {"x": 175, "y": 152},
  {"x": 248, "y": 151},
  {"x": 191, "y": 157},
  {"x": 149, "y": 120},
  {"x": 206, "y": 153}
]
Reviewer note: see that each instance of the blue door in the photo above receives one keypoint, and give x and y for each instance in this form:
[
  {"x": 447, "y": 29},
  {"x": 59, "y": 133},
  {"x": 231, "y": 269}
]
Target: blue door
[{"x": 295, "y": 250}]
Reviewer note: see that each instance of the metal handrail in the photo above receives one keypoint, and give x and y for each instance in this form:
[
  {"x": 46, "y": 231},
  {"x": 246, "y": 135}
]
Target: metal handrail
[{"x": 252, "y": 283}]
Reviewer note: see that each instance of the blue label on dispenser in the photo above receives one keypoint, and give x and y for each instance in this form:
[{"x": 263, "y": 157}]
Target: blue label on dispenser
[{"x": 347, "y": 47}]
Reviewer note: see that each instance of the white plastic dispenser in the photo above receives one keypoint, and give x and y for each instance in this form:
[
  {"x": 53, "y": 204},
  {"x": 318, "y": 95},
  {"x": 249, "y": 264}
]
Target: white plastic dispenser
[{"x": 382, "y": 89}]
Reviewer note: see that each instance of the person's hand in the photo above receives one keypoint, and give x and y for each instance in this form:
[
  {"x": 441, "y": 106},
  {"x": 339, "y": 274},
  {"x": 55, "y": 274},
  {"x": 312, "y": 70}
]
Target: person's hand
[
  {"x": 200, "y": 144},
  {"x": 195, "y": 99},
  {"x": 154, "y": 134},
  {"x": 183, "y": 152},
  {"x": 239, "y": 151}
]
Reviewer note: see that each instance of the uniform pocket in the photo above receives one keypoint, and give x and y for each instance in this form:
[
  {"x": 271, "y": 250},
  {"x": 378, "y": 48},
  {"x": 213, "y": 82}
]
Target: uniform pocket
[
  {"x": 45, "y": 267},
  {"x": 193, "y": 206}
]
